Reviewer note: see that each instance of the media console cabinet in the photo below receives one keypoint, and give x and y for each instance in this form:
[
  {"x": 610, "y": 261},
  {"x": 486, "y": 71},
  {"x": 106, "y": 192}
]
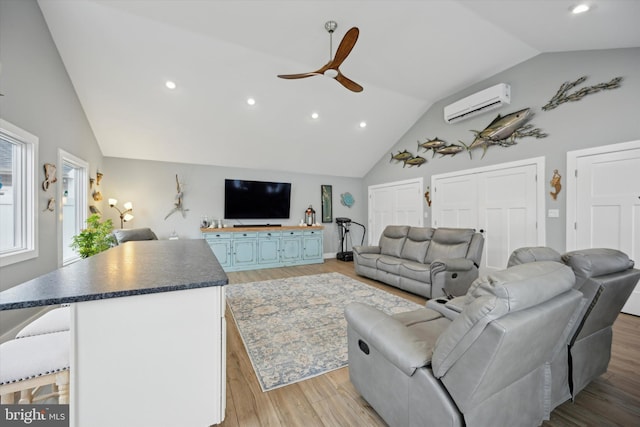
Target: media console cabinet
[
  {"x": 251, "y": 248},
  {"x": 148, "y": 333}
]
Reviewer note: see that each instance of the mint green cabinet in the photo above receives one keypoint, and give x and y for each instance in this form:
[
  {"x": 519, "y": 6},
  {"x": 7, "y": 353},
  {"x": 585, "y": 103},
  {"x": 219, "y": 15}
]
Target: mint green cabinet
[
  {"x": 291, "y": 247},
  {"x": 312, "y": 245},
  {"x": 220, "y": 244},
  {"x": 267, "y": 248},
  {"x": 244, "y": 250}
]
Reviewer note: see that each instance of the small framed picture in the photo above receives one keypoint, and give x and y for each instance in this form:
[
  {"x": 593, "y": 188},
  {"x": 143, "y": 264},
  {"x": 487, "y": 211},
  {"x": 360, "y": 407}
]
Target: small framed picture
[{"x": 326, "y": 194}]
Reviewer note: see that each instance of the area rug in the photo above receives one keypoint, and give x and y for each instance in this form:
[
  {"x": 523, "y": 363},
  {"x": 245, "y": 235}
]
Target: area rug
[{"x": 294, "y": 328}]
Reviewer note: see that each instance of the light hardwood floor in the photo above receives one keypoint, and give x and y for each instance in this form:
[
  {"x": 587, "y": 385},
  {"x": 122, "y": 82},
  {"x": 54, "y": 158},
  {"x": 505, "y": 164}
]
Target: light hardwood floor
[{"x": 331, "y": 400}]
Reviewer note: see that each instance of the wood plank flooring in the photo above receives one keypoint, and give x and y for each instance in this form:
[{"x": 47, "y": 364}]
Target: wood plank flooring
[{"x": 330, "y": 399}]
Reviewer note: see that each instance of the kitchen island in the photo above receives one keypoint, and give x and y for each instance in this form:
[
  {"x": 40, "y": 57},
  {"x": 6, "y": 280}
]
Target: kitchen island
[{"x": 147, "y": 333}]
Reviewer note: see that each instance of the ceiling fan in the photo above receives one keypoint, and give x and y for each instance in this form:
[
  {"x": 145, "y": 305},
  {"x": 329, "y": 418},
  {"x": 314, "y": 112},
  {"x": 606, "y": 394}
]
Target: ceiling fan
[{"x": 331, "y": 68}]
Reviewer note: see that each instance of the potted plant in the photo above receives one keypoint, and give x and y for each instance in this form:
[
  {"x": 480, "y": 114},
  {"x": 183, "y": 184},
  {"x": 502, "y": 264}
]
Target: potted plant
[{"x": 95, "y": 238}]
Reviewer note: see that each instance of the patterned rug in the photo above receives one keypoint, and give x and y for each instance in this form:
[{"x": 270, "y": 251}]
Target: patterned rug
[{"x": 294, "y": 328}]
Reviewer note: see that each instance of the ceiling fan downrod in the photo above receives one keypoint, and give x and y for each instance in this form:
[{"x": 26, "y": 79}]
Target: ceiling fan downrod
[{"x": 330, "y": 26}]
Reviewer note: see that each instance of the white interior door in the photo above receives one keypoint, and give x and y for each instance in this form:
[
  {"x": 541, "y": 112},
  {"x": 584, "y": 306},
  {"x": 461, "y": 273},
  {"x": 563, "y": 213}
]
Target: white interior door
[
  {"x": 606, "y": 197},
  {"x": 456, "y": 200},
  {"x": 507, "y": 212},
  {"x": 395, "y": 203},
  {"x": 505, "y": 202}
]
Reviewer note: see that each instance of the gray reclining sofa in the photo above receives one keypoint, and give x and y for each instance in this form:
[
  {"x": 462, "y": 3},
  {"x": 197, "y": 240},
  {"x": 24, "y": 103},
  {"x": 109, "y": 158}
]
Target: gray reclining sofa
[
  {"x": 423, "y": 260},
  {"x": 466, "y": 361}
]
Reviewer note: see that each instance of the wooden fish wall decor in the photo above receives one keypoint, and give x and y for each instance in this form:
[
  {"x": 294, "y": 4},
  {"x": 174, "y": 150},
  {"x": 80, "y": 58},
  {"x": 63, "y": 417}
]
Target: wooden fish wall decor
[
  {"x": 561, "y": 96},
  {"x": 407, "y": 158},
  {"x": 504, "y": 130}
]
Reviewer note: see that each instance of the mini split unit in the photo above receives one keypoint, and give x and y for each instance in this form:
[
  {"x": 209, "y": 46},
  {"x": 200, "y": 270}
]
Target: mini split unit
[{"x": 478, "y": 103}]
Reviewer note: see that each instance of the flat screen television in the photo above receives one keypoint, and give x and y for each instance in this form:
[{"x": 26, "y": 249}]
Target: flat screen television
[{"x": 256, "y": 199}]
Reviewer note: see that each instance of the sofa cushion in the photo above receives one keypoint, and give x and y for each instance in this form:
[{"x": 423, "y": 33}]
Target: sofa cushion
[
  {"x": 449, "y": 243},
  {"x": 389, "y": 264},
  {"x": 417, "y": 243},
  {"x": 392, "y": 239},
  {"x": 368, "y": 260},
  {"x": 416, "y": 271}
]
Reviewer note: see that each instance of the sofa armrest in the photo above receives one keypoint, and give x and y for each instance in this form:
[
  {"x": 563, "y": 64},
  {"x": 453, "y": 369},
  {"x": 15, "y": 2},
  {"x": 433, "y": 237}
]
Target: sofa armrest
[
  {"x": 449, "y": 308},
  {"x": 451, "y": 264},
  {"x": 393, "y": 340},
  {"x": 366, "y": 249},
  {"x": 452, "y": 277}
]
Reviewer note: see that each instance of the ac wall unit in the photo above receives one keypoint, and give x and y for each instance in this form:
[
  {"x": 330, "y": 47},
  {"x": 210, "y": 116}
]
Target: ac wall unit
[{"x": 478, "y": 103}]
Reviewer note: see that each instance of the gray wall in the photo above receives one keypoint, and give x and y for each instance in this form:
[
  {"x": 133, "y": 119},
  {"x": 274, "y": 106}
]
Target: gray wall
[
  {"x": 151, "y": 187},
  {"x": 602, "y": 118},
  {"x": 39, "y": 98}
]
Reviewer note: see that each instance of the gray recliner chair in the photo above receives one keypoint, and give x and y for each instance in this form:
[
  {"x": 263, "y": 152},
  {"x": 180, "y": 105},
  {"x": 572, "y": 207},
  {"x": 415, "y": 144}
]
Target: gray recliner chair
[
  {"x": 490, "y": 365},
  {"x": 606, "y": 278}
]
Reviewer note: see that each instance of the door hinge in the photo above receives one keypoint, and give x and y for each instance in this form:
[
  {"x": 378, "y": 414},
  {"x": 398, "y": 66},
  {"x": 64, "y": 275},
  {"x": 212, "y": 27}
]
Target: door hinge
[
  {"x": 575, "y": 173},
  {"x": 575, "y": 225}
]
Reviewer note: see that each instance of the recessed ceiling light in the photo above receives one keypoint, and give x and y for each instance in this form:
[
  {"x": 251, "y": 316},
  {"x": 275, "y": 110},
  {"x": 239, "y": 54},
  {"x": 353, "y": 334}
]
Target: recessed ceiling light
[
  {"x": 314, "y": 115},
  {"x": 170, "y": 85},
  {"x": 363, "y": 124},
  {"x": 581, "y": 8},
  {"x": 251, "y": 101}
]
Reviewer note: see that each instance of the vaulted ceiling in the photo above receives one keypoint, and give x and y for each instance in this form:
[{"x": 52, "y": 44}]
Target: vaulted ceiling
[{"x": 410, "y": 54}]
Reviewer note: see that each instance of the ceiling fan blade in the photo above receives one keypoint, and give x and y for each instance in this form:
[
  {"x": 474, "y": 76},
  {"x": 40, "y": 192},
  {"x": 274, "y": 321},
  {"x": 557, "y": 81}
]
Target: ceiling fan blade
[
  {"x": 348, "y": 83},
  {"x": 346, "y": 45},
  {"x": 297, "y": 76}
]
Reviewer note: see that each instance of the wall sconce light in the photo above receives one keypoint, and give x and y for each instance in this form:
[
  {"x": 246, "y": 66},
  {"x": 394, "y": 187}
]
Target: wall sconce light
[{"x": 125, "y": 215}]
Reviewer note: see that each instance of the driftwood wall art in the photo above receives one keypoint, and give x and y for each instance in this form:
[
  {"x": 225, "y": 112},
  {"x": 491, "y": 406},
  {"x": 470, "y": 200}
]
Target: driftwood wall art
[{"x": 563, "y": 96}]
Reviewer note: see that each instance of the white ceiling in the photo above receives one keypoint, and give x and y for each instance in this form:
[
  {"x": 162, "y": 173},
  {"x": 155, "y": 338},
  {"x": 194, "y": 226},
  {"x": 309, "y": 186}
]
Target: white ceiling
[{"x": 410, "y": 54}]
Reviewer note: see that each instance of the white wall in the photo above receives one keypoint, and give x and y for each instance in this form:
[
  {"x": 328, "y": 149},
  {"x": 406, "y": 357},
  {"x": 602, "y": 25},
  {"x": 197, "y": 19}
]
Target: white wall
[
  {"x": 151, "y": 187},
  {"x": 607, "y": 117},
  {"x": 39, "y": 98}
]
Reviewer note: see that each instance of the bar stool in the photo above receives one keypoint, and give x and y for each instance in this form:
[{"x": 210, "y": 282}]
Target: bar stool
[
  {"x": 32, "y": 362},
  {"x": 56, "y": 320}
]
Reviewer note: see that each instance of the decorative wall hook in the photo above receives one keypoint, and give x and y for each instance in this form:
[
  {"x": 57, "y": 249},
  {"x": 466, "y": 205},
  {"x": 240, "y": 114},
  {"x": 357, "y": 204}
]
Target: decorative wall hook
[
  {"x": 51, "y": 205},
  {"x": 555, "y": 183},
  {"x": 427, "y": 197},
  {"x": 49, "y": 175}
]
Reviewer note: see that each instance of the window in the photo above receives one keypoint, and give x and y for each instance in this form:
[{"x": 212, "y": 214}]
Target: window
[
  {"x": 73, "y": 197},
  {"x": 18, "y": 204}
]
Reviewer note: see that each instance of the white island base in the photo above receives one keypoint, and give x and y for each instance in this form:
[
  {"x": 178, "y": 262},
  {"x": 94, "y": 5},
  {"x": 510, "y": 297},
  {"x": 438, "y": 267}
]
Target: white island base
[{"x": 149, "y": 360}]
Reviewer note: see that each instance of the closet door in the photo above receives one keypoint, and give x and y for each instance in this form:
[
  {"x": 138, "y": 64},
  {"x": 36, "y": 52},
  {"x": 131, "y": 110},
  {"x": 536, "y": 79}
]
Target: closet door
[
  {"x": 395, "y": 203},
  {"x": 455, "y": 202},
  {"x": 505, "y": 202},
  {"x": 507, "y": 212},
  {"x": 603, "y": 203}
]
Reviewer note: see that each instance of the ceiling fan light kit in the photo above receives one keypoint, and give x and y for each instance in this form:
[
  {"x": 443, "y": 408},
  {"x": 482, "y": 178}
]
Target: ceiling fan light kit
[{"x": 331, "y": 69}]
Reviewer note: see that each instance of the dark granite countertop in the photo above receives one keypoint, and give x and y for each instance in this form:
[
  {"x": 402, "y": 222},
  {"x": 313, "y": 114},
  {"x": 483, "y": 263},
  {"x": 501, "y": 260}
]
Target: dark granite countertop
[{"x": 133, "y": 268}]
